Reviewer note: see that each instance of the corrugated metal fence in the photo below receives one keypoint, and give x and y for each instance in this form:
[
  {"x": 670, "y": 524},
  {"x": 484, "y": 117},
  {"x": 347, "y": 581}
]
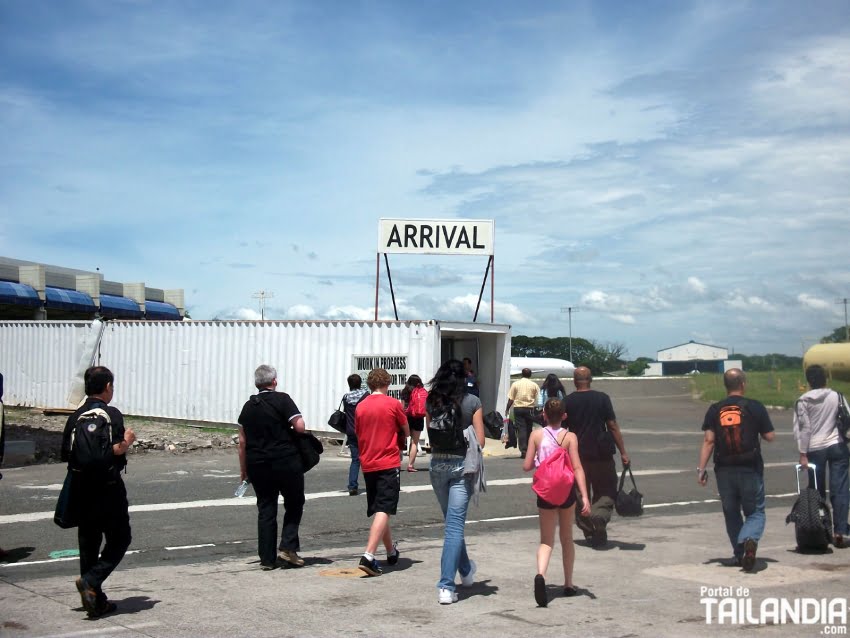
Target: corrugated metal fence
[{"x": 203, "y": 370}]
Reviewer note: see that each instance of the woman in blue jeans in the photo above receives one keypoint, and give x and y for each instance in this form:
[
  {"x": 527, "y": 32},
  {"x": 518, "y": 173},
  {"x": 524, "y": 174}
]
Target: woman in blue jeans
[{"x": 450, "y": 410}]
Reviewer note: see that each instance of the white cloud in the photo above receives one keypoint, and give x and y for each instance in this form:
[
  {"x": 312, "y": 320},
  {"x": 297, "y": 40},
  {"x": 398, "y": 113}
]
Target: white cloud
[
  {"x": 812, "y": 302},
  {"x": 351, "y": 312},
  {"x": 626, "y": 319},
  {"x": 695, "y": 284},
  {"x": 300, "y": 311}
]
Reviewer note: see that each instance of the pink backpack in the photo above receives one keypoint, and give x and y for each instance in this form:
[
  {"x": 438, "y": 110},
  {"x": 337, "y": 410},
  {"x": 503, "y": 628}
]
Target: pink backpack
[
  {"x": 553, "y": 480},
  {"x": 416, "y": 405}
]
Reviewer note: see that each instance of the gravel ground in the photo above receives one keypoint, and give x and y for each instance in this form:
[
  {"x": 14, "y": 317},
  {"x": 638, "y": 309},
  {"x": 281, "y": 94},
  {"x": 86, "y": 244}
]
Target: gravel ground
[{"x": 152, "y": 436}]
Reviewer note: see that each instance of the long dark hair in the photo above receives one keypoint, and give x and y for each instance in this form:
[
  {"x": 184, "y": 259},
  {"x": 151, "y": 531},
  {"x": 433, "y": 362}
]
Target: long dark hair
[
  {"x": 552, "y": 384},
  {"x": 447, "y": 386},
  {"x": 413, "y": 381}
]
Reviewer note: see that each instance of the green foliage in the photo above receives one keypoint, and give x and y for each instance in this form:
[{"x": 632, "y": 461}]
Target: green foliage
[
  {"x": 777, "y": 387},
  {"x": 839, "y": 335},
  {"x": 766, "y": 362},
  {"x": 599, "y": 357},
  {"x": 636, "y": 367}
]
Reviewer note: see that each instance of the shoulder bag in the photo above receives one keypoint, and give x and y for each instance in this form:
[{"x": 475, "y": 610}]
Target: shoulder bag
[
  {"x": 337, "y": 420},
  {"x": 628, "y": 503},
  {"x": 67, "y": 514},
  {"x": 842, "y": 421}
]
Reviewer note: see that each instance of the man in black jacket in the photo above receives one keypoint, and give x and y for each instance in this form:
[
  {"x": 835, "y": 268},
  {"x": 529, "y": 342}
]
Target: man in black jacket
[{"x": 101, "y": 499}]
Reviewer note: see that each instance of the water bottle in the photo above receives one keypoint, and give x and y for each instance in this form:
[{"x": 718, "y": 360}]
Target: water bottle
[{"x": 240, "y": 491}]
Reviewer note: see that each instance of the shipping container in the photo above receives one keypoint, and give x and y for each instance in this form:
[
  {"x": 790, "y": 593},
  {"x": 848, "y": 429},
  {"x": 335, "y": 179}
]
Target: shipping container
[{"x": 204, "y": 370}]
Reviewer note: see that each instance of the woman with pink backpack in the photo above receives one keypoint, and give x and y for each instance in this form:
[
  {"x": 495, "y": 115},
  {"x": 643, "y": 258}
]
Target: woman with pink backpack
[
  {"x": 413, "y": 396},
  {"x": 554, "y": 453}
]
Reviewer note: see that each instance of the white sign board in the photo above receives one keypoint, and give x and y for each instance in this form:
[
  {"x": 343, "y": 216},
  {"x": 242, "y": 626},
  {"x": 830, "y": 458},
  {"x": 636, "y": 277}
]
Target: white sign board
[
  {"x": 395, "y": 364},
  {"x": 436, "y": 236}
]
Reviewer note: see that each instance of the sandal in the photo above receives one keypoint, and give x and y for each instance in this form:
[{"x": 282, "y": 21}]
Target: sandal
[
  {"x": 570, "y": 591},
  {"x": 410, "y": 468}
]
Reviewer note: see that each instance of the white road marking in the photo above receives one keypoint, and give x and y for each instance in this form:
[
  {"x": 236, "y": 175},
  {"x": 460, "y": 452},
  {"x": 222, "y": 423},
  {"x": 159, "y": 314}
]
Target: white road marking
[
  {"x": 32, "y": 517},
  {"x": 104, "y": 630},
  {"x": 56, "y": 487},
  {"x": 179, "y": 547}
]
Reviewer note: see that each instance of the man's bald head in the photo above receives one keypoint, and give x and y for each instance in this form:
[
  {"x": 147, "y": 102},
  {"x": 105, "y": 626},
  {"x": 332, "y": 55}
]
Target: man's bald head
[
  {"x": 734, "y": 380},
  {"x": 582, "y": 376}
]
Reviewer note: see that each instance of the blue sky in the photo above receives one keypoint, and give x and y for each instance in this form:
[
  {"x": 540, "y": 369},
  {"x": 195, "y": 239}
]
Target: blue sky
[{"x": 675, "y": 170}]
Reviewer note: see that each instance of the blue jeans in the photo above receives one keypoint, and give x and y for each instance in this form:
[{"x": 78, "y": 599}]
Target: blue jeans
[
  {"x": 741, "y": 490},
  {"x": 354, "y": 468},
  {"x": 453, "y": 490},
  {"x": 836, "y": 456}
]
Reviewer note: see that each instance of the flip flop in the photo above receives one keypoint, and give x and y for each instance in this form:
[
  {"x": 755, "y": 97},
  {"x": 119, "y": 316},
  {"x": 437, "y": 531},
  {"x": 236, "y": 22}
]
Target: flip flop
[
  {"x": 570, "y": 591},
  {"x": 410, "y": 468}
]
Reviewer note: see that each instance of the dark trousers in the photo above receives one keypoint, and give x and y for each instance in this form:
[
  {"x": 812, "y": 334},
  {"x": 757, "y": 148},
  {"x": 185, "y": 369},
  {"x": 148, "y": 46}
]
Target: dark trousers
[
  {"x": 601, "y": 478},
  {"x": 523, "y": 421},
  {"x": 269, "y": 480},
  {"x": 100, "y": 518}
]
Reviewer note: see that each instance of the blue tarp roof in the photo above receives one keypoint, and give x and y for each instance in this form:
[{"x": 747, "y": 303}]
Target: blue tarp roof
[
  {"x": 18, "y": 294},
  {"x": 160, "y": 310},
  {"x": 114, "y": 306},
  {"x": 65, "y": 299}
]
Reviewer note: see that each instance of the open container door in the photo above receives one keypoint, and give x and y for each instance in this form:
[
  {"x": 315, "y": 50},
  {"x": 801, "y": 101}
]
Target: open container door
[{"x": 489, "y": 347}]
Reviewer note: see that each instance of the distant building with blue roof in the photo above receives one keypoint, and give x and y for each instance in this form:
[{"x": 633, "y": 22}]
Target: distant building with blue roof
[{"x": 32, "y": 290}]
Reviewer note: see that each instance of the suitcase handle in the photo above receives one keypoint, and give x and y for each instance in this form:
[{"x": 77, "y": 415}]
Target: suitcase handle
[{"x": 812, "y": 467}]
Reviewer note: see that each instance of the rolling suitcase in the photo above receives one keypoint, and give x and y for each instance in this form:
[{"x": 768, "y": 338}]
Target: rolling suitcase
[{"x": 811, "y": 517}]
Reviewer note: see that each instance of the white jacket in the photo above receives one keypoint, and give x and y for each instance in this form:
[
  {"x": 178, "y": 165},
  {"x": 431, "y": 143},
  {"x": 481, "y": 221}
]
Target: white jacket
[{"x": 815, "y": 417}]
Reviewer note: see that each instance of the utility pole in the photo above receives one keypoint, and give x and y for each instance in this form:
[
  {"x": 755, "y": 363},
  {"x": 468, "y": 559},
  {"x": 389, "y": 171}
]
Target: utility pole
[
  {"x": 846, "y": 326},
  {"x": 262, "y": 296},
  {"x": 570, "y": 310}
]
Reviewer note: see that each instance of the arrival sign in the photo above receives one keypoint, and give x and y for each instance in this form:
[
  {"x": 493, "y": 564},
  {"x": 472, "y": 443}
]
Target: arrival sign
[{"x": 436, "y": 237}]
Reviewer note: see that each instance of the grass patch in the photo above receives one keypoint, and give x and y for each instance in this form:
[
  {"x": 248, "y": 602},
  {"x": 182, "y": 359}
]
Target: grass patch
[{"x": 778, "y": 387}]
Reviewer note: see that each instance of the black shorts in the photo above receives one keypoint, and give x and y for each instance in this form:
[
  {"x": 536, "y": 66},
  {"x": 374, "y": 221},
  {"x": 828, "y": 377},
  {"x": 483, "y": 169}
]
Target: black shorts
[
  {"x": 382, "y": 490},
  {"x": 571, "y": 500},
  {"x": 416, "y": 423}
]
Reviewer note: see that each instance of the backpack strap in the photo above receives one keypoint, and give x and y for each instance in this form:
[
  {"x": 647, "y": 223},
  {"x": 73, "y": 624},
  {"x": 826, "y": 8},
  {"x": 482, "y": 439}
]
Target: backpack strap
[{"x": 555, "y": 439}]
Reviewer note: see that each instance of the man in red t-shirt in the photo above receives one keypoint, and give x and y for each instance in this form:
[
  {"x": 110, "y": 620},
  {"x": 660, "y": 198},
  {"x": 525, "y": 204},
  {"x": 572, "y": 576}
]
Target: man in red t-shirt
[{"x": 378, "y": 420}]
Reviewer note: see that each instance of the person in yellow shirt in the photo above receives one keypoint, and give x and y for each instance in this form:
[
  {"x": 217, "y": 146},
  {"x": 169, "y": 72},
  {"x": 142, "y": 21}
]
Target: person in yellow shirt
[{"x": 523, "y": 398}]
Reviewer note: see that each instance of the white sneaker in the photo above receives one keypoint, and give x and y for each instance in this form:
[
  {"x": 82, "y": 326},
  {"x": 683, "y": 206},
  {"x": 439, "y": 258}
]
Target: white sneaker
[
  {"x": 447, "y": 597},
  {"x": 467, "y": 580}
]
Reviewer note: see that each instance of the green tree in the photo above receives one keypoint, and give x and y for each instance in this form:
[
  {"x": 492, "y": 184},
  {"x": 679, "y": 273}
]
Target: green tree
[
  {"x": 839, "y": 335},
  {"x": 636, "y": 367},
  {"x": 767, "y": 362}
]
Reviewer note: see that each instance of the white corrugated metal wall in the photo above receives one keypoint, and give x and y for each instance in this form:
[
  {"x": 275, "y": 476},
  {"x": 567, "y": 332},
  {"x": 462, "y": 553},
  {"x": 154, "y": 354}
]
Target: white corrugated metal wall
[
  {"x": 203, "y": 370},
  {"x": 38, "y": 363}
]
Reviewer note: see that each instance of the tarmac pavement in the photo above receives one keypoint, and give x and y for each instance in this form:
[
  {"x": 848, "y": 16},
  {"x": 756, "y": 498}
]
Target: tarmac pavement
[{"x": 647, "y": 582}]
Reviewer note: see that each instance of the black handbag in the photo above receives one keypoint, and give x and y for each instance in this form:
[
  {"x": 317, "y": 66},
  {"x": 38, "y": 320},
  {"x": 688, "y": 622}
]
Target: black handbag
[
  {"x": 628, "y": 503},
  {"x": 842, "y": 420},
  {"x": 337, "y": 420},
  {"x": 309, "y": 448},
  {"x": 67, "y": 513}
]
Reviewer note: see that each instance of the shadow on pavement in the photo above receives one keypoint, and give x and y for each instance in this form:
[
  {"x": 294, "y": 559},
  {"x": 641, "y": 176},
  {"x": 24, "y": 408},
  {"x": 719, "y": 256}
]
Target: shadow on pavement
[
  {"x": 402, "y": 564},
  {"x": 16, "y": 554},
  {"x": 481, "y": 588},
  {"x": 133, "y": 605}
]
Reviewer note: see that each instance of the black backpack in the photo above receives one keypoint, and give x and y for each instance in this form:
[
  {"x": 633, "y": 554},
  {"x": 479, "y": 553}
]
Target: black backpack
[
  {"x": 445, "y": 431},
  {"x": 91, "y": 443},
  {"x": 736, "y": 440}
]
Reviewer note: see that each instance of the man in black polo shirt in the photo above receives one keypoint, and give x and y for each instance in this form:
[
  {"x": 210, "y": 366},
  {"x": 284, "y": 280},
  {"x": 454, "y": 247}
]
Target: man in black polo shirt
[
  {"x": 101, "y": 499},
  {"x": 269, "y": 458},
  {"x": 589, "y": 415}
]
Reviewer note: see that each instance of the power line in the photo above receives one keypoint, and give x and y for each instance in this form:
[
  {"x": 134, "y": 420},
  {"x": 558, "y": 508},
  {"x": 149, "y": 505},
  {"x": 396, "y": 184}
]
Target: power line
[
  {"x": 570, "y": 310},
  {"x": 262, "y": 295}
]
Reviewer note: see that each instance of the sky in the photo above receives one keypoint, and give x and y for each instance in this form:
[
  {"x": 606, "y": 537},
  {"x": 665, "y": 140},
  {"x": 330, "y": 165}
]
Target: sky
[{"x": 674, "y": 171}]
